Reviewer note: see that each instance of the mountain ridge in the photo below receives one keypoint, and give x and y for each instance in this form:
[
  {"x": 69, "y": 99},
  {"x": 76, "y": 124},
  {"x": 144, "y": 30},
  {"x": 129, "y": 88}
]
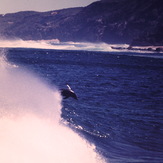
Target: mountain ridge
[{"x": 120, "y": 22}]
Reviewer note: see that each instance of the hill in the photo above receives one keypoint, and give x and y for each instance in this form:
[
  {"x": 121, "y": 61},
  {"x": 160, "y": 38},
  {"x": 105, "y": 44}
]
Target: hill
[{"x": 136, "y": 22}]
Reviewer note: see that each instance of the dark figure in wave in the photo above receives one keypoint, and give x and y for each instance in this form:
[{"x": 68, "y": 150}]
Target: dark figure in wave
[{"x": 66, "y": 93}]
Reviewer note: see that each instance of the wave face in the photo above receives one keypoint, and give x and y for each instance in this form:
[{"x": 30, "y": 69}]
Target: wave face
[{"x": 30, "y": 127}]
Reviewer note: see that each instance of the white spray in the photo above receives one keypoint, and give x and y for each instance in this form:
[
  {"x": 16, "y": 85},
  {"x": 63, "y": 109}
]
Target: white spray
[{"x": 30, "y": 129}]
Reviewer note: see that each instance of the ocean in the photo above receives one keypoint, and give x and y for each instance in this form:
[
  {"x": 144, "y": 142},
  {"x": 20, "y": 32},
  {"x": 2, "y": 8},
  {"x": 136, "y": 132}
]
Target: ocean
[{"x": 118, "y": 117}]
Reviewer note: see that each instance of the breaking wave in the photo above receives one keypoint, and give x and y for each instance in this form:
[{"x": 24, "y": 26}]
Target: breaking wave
[
  {"x": 30, "y": 126},
  {"x": 55, "y": 44},
  {"x": 86, "y": 46}
]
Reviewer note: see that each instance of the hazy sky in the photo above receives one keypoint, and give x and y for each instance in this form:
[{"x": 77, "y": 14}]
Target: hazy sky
[{"x": 10, "y": 6}]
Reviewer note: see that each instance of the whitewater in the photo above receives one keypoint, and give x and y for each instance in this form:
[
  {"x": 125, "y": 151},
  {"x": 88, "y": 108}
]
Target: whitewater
[
  {"x": 55, "y": 44},
  {"x": 31, "y": 129}
]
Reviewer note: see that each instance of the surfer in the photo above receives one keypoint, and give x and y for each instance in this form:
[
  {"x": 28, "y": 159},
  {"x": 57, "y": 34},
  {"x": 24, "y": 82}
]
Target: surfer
[{"x": 66, "y": 93}]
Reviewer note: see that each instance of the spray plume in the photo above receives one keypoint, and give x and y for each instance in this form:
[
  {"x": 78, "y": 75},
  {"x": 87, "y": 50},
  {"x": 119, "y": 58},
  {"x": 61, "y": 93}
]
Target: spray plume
[{"x": 30, "y": 128}]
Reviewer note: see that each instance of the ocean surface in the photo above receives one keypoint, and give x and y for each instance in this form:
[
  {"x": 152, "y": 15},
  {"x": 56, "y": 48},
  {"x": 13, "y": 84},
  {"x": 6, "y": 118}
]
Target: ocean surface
[{"x": 119, "y": 110}]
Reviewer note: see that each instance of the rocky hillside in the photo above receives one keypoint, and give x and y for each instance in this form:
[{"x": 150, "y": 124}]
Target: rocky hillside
[{"x": 137, "y": 22}]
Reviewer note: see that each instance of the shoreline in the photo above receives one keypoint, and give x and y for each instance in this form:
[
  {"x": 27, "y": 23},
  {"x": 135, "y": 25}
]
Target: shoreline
[
  {"x": 55, "y": 44},
  {"x": 157, "y": 49}
]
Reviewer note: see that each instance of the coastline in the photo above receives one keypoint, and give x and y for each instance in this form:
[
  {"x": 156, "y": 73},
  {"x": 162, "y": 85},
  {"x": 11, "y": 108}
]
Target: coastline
[
  {"x": 158, "y": 49},
  {"x": 55, "y": 44}
]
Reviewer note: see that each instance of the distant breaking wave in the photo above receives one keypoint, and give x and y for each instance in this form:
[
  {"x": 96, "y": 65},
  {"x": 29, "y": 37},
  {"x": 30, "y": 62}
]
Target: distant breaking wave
[
  {"x": 57, "y": 45},
  {"x": 30, "y": 127}
]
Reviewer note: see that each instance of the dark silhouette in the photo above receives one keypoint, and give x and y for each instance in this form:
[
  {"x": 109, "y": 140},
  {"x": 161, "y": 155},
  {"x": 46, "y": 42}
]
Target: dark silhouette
[{"x": 66, "y": 93}]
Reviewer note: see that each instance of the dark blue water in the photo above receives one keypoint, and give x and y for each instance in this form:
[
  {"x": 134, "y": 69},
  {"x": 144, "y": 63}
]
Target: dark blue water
[{"x": 120, "y": 106}]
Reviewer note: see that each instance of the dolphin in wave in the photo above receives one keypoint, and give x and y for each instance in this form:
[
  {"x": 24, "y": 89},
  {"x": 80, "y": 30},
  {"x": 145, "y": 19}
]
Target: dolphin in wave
[{"x": 66, "y": 93}]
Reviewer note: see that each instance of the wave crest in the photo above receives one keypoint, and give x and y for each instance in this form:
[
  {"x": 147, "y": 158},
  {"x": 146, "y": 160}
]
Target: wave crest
[{"x": 30, "y": 127}]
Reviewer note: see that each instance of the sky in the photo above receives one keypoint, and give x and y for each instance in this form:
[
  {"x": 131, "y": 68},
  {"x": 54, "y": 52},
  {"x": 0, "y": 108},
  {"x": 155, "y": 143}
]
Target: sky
[{"x": 11, "y": 6}]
